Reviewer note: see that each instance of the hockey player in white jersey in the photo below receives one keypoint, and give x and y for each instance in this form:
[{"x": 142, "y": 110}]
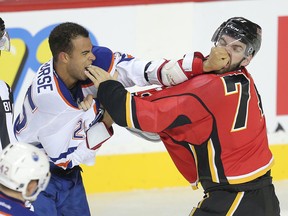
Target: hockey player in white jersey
[
  {"x": 6, "y": 96},
  {"x": 52, "y": 117}
]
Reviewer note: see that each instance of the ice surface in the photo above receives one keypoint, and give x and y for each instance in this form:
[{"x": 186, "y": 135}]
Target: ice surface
[{"x": 161, "y": 202}]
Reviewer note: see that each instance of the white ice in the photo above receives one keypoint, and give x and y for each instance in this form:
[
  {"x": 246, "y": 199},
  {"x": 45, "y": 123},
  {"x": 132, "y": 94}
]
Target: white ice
[{"x": 176, "y": 201}]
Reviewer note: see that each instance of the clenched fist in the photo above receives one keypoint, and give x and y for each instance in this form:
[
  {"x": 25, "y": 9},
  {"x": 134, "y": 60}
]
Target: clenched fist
[{"x": 218, "y": 59}]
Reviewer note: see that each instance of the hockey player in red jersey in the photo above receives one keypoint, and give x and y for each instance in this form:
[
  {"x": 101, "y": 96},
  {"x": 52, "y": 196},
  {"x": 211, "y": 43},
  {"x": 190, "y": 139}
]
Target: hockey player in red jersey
[{"x": 212, "y": 125}]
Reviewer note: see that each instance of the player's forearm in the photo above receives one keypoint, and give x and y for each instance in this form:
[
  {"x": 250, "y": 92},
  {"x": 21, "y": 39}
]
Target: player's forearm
[
  {"x": 159, "y": 72},
  {"x": 131, "y": 72},
  {"x": 173, "y": 72},
  {"x": 112, "y": 96}
]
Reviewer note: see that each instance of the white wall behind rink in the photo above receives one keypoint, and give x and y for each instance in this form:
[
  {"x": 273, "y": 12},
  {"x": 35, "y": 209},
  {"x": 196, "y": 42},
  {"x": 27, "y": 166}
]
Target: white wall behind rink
[{"x": 170, "y": 30}]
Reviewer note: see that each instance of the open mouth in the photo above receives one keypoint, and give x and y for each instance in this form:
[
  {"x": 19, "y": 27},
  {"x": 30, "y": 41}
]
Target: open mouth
[{"x": 87, "y": 70}]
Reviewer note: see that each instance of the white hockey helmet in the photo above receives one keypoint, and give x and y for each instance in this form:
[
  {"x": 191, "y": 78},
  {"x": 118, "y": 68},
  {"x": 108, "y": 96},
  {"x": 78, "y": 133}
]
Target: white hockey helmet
[{"x": 19, "y": 164}]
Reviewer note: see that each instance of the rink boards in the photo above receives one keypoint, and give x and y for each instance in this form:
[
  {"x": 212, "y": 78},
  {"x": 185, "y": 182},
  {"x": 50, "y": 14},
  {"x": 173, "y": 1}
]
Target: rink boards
[{"x": 152, "y": 170}]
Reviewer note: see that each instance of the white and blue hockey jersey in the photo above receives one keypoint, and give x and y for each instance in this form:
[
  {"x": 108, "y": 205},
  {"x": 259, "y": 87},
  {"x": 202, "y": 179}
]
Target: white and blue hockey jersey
[{"x": 50, "y": 116}]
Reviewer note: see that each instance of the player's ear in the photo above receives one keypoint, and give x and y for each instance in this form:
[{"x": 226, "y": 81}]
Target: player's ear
[
  {"x": 246, "y": 61},
  {"x": 31, "y": 187},
  {"x": 63, "y": 56}
]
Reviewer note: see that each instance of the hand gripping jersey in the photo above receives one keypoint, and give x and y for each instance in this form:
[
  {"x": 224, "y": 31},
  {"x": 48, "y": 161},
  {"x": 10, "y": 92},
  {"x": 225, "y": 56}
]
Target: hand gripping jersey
[
  {"x": 212, "y": 125},
  {"x": 6, "y": 115}
]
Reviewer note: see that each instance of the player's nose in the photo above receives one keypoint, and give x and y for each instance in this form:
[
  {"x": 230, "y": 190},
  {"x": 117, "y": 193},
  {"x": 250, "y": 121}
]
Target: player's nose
[{"x": 92, "y": 57}]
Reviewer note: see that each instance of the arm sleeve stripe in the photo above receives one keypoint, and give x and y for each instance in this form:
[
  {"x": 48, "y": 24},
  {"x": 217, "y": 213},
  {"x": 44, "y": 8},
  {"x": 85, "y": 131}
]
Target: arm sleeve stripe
[
  {"x": 129, "y": 119},
  {"x": 111, "y": 65}
]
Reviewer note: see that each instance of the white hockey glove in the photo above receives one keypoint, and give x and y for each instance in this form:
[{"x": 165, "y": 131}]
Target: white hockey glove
[
  {"x": 4, "y": 37},
  {"x": 173, "y": 72},
  {"x": 98, "y": 134}
]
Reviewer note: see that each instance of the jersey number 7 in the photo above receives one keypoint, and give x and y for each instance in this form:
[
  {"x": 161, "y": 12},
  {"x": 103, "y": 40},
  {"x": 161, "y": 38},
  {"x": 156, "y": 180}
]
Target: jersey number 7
[{"x": 240, "y": 84}]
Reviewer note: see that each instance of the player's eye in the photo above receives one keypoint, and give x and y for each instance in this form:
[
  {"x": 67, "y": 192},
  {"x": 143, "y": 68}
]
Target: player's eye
[
  {"x": 237, "y": 49},
  {"x": 221, "y": 42}
]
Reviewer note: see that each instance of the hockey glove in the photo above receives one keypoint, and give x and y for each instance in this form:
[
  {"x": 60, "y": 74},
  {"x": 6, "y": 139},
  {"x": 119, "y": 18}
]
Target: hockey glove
[
  {"x": 2, "y": 27},
  {"x": 169, "y": 73}
]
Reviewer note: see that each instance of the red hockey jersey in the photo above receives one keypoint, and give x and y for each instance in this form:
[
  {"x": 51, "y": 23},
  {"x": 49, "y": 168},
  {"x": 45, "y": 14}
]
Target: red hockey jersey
[{"x": 213, "y": 125}]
